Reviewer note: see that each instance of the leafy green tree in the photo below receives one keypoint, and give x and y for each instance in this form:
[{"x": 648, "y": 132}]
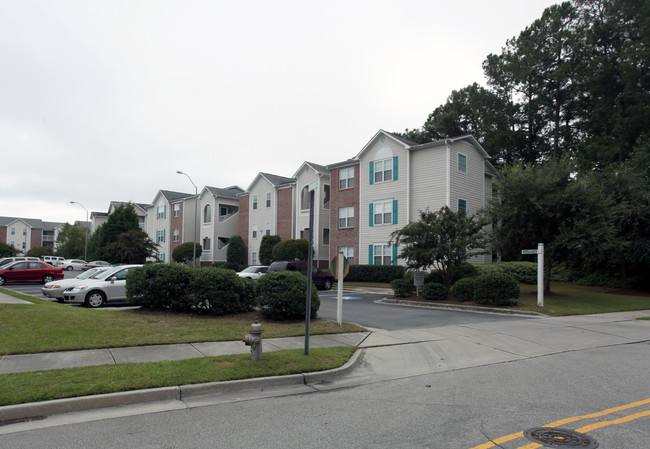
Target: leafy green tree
[
  {"x": 95, "y": 241},
  {"x": 71, "y": 240},
  {"x": 441, "y": 240},
  {"x": 184, "y": 253},
  {"x": 123, "y": 219},
  {"x": 132, "y": 246},
  {"x": 236, "y": 253},
  {"x": 40, "y": 251},
  {"x": 266, "y": 248},
  {"x": 7, "y": 250},
  {"x": 291, "y": 249}
]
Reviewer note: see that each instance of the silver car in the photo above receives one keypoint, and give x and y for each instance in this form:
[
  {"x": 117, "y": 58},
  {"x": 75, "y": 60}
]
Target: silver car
[
  {"x": 72, "y": 264},
  {"x": 55, "y": 289},
  {"x": 109, "y": 286}
]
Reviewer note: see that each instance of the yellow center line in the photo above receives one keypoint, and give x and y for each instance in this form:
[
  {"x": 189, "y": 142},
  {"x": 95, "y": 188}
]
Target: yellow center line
[{"x": 561, "y": 422}]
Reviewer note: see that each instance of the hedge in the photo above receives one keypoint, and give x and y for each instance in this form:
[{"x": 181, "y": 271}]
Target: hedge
[
  {"x": 375, "y": 273},
  {"x": 434, "y": 291},
  {"x": 402, "y": 288},
  {"x": 496, "y": 289},
  {"x": 463, "y": 289},
  {"x": 281, "y": 295},
  {"x": 524, "y": 272}
]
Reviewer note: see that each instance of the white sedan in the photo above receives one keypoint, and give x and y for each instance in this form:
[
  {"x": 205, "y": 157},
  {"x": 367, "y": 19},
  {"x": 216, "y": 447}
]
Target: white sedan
[
  {"x": 72, "y": 264},
  {"x": 109, "y": 286},
  {"x": 55, "y": 289},
  {"x": 253, "y": 272}
]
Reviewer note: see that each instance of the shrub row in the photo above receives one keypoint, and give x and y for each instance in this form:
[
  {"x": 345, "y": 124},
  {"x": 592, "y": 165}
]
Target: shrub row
[
  {"x": 524, "y": 272},
  {"x": 375, "y": 273},
  {"x": 495, "y": 289}
]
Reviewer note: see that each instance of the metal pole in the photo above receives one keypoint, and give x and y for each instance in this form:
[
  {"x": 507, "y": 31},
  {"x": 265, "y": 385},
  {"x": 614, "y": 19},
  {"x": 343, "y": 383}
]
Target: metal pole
[
  {"x": 86, "y": 227},
  {"x": 196, "y": 220},
  {"x": 540, "y": 275},
  {"x": 310, "y": 256},
  {"x": 339, "y": 296}
]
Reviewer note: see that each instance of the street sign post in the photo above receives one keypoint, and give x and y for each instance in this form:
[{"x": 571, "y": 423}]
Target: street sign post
[
  {"x": 340, "y": 267},
  {"x": 540, "y": 271}
]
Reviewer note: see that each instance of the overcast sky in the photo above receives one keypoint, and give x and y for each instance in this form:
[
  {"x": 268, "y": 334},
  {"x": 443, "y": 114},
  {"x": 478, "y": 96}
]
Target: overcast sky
[{"x": 105, "y": 100}]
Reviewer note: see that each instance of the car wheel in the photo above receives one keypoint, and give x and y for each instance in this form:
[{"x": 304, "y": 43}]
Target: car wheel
[
  {"x": 70, "y": 268},
  {"x": 47, "y": 278},
  {"x": 328, "y": 284},
  {"x": 95, "y": 299},
  {"x": 2, "y": 280}
]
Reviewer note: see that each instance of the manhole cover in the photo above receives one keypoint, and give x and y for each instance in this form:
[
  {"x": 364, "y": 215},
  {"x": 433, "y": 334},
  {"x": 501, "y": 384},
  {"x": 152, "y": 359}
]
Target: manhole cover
[{"x": 556, "y": 437}]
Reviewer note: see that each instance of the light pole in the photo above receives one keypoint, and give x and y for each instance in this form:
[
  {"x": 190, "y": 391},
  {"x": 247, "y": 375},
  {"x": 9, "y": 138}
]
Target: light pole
[
  {"x": 196, "y": 220},
  {"x": 85, "y": 226}
]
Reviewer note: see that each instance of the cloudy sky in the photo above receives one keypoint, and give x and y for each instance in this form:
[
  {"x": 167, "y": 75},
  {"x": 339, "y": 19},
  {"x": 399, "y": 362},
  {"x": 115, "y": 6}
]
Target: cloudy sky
[{"x": 105, "y": 100}]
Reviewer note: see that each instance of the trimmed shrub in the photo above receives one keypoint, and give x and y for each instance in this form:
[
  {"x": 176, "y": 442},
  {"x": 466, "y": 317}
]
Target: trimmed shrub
[
  {"x": 375, "y": 273},
  {"x": 600, "y": 280},
  {"x": 402, "y": 288},
  {"x": 434, "y": 291},
  {"x": 496, "y": 289},
  {"x": 160, "y": 286},
  {"x": 463, "y": 289},
  {"x": 524, "y": 272},
  {"x": 220, "y": 291},
  {"x": 281, "y": 296},
  {"x": 291, "y": 250},
  {"x": 464, "y": 270}
]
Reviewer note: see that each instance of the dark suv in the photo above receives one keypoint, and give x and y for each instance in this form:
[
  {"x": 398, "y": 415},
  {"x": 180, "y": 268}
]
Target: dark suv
[{"x": 321, "y": 279}]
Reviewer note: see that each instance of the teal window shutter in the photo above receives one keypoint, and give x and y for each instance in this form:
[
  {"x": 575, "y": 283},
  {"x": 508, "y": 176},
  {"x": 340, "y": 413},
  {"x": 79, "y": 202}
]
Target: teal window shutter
[
  {"x": 372, "y": 172},
  {"x": 165, "y": 211},
  {"x": 395, "y": 168},
  {"x": 164, "y": 235},
  {"x": 372, "y": 215},
  {"x": 394, "y": 254},
  {"x": 394, "y": 211},
  {"x": 370, "y": 255}
]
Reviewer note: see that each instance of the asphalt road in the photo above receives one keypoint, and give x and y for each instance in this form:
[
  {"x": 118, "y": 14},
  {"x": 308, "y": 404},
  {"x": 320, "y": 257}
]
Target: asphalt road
[{"x": 460, "y": 409}]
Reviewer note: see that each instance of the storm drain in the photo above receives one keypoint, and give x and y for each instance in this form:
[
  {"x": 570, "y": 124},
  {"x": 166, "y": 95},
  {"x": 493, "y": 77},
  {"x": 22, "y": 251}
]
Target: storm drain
[
  {"x": 556, "y": 437},
  {"x": 19, "y": 420}
]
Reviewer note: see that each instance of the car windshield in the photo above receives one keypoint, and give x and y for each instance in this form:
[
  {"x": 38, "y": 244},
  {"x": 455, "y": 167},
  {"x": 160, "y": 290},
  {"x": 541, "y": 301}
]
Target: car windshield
[
  {"x": 249, "y": 270},
  {"x": 89, "y": 273},
  {"x": 102, "y": 274}
]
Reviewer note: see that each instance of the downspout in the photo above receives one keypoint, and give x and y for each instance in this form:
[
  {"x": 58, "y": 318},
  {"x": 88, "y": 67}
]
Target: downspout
[
  {"x": 408, "y": 186},
  {"x": 448, "y": 181}
]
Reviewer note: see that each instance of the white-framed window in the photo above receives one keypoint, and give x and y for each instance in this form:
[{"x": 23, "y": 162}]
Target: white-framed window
[
  {"x": 24, "y": 231},
  {"x": 255, "y": 201},
  {"x": 177, "y": 210},
  {"x": 176, "y": 235},
  {"x": 13, "y": 231},
  {"x": 161, "y": 212},
  {"x": 346, "y": 178},
  {"x": 346, "y": 217},
  {"x": 254, "y": 231},
  {"x": 326, "y": 236},
  {"x": 462, "y": 205},
  {"x": 462, "y": 163},
  {"x": 348, "y": 253},
  {"x": 253, "y": 258},
  {"x": 326, "y": 196},
  {"x": 268, "y": 199},
  {"x": 207, "y": 214},
  {"x": 160, "y": 236},
  {"x": 267, "y": 230},
  {"x": 382, "y": 254},
  {"x": 304, "y": 198},
  {"x": 382, "y": 212},
  {"x": 383, "y": 170},
  {"x": 206, "y": 244}
]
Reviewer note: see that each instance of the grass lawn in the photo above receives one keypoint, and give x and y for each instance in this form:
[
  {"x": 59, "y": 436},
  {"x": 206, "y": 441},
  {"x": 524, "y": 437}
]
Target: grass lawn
[
  {"x": 37, "y": 386},
  {"x": 48, "y": 326},
  {"x": 572, "y": 299}
]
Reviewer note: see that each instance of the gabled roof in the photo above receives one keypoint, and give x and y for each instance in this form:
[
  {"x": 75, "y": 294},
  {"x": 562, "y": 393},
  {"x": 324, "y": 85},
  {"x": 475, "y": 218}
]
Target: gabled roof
[
  {"x": 381, "y": 133},
  {"x": 275, "y": 180},
  {"x": 115, "y": 204},
  {"x": 228, "y": 192},
  {"x": 320, "y": 169},
  {"x": 172, "y": 196},
  {"x": 31, "y": 222}
]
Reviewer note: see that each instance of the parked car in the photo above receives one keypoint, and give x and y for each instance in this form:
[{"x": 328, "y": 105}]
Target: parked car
[
  {"x": 29, "y": 271},
  {"x": 95, "y": 264},
  {"x": 109, "y": 286},
  {"x": 53, "y": 260},
  {"x": 55, "y": 289},
  {"x": 322, "y": 279},
  {"x": 253, "y": 272},
  {"x": 72, "y": 264},
  {"x": 8, "y": 260}
]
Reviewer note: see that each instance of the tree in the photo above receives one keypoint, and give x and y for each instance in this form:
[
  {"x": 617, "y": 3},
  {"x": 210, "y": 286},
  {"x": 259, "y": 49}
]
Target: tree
[
  {"x": 266, "y": 248},
  {"x": 7, "y": 250},
  {"x": 123, "y": 219},
  {"x": 291, "y": 249},
  {"x": 236, "y": 252},
  {"x": 184, "y": 253},
  {"x": 71, "y": 240},
  {"x": 40, "y": 251},
  {"x": 441, "y": 240},
  {"x": 132, "y": 246}
]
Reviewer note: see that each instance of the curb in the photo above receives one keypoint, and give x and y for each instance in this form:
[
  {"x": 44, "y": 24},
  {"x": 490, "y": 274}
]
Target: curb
[
  {"x": 19, "y": 412},
  {"x": 460, "y": 307}
]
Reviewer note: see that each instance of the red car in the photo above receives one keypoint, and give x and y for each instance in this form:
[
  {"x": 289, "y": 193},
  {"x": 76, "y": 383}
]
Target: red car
[{"x": 29, "y": 271}]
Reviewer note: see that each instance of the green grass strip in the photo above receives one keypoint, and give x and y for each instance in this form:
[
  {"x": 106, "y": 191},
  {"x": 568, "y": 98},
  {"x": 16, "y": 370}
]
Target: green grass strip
[{"x": 19, "y": 388}]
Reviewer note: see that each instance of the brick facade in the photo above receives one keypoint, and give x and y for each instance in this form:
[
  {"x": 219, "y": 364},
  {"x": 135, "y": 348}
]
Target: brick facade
[
  {"x": 177, "y": 223},
  {"x": 348, "y": 197},
  {"x": 285, "y": 213}
]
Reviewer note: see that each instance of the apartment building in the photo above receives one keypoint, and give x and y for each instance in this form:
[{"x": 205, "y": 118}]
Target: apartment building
[
  {"x": 27, "y": 233},
  {"x": 219, "y": 218},
  {"x": 170, "y": 221}
]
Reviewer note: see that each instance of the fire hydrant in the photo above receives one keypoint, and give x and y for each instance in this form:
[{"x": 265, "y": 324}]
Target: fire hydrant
[{"x": 254, "y": 340}]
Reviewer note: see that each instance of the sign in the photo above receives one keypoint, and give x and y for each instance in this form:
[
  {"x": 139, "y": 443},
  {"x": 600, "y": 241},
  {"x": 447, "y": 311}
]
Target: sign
[
  {"x": 529, "y": 251},
  {"x": 418, "y": 279},
  {"x": 334, "y": 267}
]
